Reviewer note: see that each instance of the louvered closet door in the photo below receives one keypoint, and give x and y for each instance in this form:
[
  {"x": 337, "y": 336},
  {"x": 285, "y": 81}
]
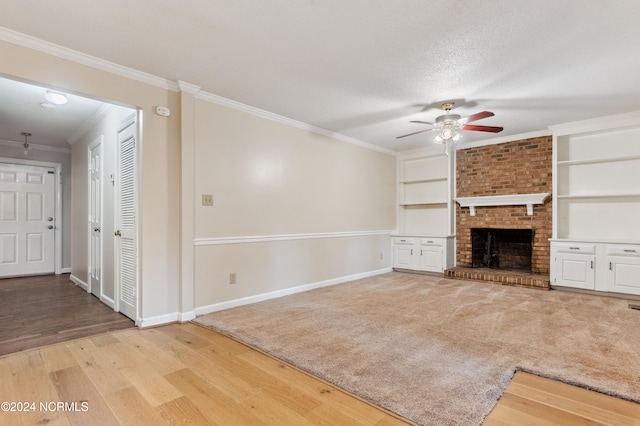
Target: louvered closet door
[
  {"x": 27, "y": 220},
  {"x": 127, "y": 259}
]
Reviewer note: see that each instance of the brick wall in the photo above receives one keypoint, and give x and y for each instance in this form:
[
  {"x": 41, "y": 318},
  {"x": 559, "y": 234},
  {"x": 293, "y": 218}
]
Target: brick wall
[{"x": 518, "y": 167}]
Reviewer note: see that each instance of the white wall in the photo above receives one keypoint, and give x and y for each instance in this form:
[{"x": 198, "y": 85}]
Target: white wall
[
  {"x": 63, "y": 158},
  {"x": 319, "y": 209}
]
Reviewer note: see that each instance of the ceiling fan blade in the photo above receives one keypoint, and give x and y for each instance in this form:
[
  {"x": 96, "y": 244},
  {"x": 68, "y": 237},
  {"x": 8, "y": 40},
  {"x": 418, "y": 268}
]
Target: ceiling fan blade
[
  {"x": 422, "y": 122},
  {"x": 476, "y": 116},
  {"x": 414, "y": 133},
  {"x": 492, "y": 129}
]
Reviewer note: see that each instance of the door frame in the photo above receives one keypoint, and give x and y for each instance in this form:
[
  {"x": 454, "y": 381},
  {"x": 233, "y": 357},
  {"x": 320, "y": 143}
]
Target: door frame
[
  {"x": 57, "y": 235},
  {"x": 99, "y": 141}
]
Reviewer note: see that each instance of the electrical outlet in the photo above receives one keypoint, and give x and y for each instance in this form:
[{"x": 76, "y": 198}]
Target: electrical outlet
[
  {"x": 232, "y": 278},
  {"x": 207, "y": 200}
]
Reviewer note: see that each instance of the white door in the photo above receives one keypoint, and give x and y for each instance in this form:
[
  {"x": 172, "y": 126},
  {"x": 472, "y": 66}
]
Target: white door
[
  {"x": 126, "y": 254},
  {"x": 95, "y": 217},
  {"x": 27, "y": 220}
]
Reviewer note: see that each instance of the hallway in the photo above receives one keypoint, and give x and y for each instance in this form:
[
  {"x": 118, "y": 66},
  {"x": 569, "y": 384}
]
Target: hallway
[{"x": 41, "y": 310}]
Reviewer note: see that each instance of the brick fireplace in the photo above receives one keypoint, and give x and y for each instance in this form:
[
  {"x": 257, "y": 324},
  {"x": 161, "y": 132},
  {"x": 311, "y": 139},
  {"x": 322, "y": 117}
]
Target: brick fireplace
[{"x": 517, "y": 167}]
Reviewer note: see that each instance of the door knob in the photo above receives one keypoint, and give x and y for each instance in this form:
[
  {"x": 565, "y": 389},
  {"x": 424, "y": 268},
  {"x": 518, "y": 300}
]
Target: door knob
[
  {"x": 96, "y": 229},
  {"x": 117, "y": 233},
  {"x": 50, "y": 219},
  {"x": 50, "y": 226}
]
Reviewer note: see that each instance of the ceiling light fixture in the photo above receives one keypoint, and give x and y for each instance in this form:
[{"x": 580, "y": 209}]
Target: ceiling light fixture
[
  {"x": 56, "y": 98},
  {"x": 449, "y": 125},
  {"x": 26, "y": 144}
]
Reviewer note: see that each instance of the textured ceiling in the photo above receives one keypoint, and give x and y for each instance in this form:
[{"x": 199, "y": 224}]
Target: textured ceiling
[{"x": 364, "y": 68}]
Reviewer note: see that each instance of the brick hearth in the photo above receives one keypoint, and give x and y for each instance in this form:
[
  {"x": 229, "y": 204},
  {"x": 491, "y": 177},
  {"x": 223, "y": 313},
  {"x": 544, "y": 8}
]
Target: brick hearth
[
  {"x": 518, "y": 167},
  {"x": 511, "y": 278}
]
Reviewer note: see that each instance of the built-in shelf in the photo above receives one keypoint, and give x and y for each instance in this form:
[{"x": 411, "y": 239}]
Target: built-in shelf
[
  {"x": 424, "y": 191},
  {"x": 503, "y": 200},
  {"x": 601, "y": 195},
  {"x": 598, "y": 160},
  {"x": 437, "y": 179},
  {"x": 431, "y": 203},
  {"x": 596, "y": 240}
]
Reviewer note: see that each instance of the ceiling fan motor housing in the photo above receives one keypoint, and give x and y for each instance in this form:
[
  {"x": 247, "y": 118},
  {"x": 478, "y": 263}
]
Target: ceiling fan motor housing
[{"x": 447, "y": 119}]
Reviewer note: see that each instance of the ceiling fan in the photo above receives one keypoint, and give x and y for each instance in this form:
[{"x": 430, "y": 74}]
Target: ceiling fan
[{"x": 449, "y": 124}]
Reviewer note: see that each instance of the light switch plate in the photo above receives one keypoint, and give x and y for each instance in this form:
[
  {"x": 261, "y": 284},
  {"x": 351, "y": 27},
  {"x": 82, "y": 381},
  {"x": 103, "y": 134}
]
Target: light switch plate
[{"x": 207, "y": 200}]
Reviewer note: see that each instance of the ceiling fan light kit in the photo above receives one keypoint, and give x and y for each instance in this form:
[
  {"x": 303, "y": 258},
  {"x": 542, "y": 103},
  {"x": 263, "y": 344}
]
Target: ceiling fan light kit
[{"x": 449, "y": 124}]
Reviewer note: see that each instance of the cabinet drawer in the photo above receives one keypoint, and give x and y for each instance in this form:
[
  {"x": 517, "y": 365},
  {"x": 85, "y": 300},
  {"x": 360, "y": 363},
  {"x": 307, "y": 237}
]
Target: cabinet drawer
[
  {"x": 403, "y": 240},
  {"x": 431, "y": 242},
  {"x": 623, "y": 250},
  {"x": 580, "y": 248}
]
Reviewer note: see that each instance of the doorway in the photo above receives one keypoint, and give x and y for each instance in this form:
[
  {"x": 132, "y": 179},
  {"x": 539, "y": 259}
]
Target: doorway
[{"x": 85, "y": 220}]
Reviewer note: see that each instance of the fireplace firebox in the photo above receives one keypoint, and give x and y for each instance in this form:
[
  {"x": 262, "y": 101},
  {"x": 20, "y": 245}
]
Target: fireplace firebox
[{"x": 496, "y": 248}]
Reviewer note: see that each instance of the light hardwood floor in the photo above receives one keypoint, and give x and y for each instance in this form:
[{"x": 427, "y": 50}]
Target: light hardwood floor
[
  {"x": 533, "y": 400},
  {"x": 175, "y": 374},
  {"x": 186, "y": 374}
]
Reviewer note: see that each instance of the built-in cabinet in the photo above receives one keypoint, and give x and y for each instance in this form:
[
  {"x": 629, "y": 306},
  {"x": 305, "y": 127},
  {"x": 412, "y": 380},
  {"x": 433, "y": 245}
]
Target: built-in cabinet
[
  {"x": 425, "y": 240},
  {"x": 599, "y": 266},
  {"x": 596, "y": 204},
  {"x": 431, "y": 254}
]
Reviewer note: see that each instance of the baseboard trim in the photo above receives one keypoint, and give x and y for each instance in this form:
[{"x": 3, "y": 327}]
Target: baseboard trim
[
  {"x": 65, "y": 270},
  {"x": 286, "y": 292},
  {"x": 77, "y": 281},
  {"x": 108, "y": 301},
  {"x": 186, "y": 316},
  {"x": 158, "y": 320}
]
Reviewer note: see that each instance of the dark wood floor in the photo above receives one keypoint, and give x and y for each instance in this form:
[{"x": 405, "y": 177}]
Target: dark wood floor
[{"x": 41, "y": 310}]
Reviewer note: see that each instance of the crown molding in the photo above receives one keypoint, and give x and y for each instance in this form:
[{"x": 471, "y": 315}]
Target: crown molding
[
  {"x": 20, "y": 145},
  {"x": 210, "y": 97},
  {"x": 84, "y": 59},
  {"x": 101, "y": 113},
  {"x": 188, "y": 87},
  {"x": 94, "y": 62},
  {"x": 596, "y": 124}
]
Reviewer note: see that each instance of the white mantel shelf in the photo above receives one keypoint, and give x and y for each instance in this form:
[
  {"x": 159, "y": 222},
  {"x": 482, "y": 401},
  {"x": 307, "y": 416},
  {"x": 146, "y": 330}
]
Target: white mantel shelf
[{"x": 503, "y": 200}]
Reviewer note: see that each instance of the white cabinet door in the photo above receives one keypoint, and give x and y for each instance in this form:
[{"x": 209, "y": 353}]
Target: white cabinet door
[
  {"x": 575, "y": 270},
  {"x": 624, "y": 274},
  {"x": 403, "y": 256},
  {"x": 431, "y": 258}
]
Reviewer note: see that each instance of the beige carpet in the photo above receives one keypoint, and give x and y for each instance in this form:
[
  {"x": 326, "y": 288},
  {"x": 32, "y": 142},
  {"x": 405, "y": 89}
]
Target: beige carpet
[{"x": 440, "y": 351}]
